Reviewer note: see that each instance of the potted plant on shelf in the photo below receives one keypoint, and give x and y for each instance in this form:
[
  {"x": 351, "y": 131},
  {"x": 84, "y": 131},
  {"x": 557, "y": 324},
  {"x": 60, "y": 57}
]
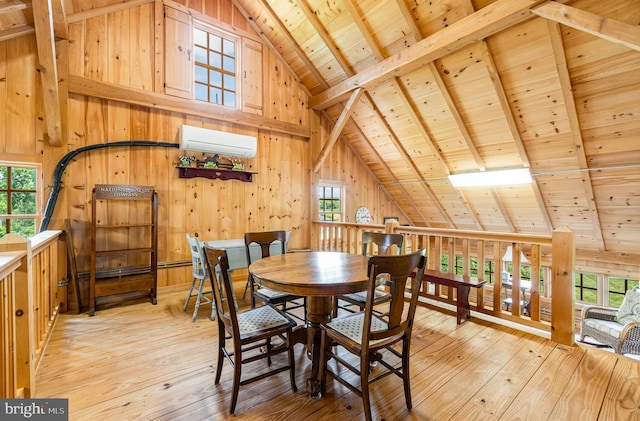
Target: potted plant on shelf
[
  {"x": 185, "y": 161},
  {"x": 238, "y": 165}
]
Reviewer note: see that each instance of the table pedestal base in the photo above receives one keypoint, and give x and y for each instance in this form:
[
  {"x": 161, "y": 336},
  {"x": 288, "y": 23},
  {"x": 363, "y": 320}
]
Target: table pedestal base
[{"x": 319, "y": 311}]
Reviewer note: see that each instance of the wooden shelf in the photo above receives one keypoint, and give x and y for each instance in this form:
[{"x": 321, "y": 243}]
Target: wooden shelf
[
  {"x": 215, "y": 173},
  {"x": 118, "y": 278}
]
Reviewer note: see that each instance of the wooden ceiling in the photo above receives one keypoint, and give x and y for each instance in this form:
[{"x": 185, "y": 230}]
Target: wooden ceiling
[
  {"x": 426, "y": 88},
  {"x": 423, "y": 89}
]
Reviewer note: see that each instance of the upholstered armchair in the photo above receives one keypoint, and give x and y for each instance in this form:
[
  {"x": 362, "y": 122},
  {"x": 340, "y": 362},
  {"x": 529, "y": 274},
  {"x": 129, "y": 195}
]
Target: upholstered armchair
[{"x": 617, "y": 328}]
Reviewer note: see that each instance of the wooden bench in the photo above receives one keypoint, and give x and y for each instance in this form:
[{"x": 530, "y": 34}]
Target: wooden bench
[{"x": 462, "y": 284}]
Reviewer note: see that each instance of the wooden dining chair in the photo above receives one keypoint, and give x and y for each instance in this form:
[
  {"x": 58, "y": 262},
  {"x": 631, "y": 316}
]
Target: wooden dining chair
[
  {"x": 372, "y": 338},
  {"x": 286, "y": 302},
  {"x": 250, "y": 331},
  {"x": 200, "y": 273},
  {"x": 383, "y": 242}
]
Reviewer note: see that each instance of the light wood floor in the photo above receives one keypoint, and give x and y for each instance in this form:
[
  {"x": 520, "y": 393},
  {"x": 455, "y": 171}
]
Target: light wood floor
[{"x": 144, "y": 362}]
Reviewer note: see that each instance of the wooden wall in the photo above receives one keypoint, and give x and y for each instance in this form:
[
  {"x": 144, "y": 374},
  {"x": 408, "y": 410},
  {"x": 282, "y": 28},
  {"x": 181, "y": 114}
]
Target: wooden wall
[{"x": 119, "y": 47}]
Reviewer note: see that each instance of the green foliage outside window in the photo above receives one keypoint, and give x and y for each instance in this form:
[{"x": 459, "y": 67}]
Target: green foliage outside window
[
  {"x": 618, "y": 288},
  {"x": 18, "y": 195},
  {"x": 330, "y": 203}
]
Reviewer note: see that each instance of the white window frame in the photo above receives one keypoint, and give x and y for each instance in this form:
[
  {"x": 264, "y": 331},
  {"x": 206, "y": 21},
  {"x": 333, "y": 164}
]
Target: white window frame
[{"x": 211, "y": 29}]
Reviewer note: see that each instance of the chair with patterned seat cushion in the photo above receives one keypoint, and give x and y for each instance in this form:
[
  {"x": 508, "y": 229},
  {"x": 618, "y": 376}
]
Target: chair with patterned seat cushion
[
  {"x": 286, "y": 302},
  {"x": 384, "y": 243},
  {"x": 618, "y": 328},
  {"x": 371, "y": 338},
  {"x": 250, "y": 331}
]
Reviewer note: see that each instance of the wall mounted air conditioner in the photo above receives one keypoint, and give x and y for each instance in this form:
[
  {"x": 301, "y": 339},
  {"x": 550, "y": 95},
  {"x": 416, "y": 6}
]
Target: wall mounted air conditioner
[{"x": 214, "y": 141}]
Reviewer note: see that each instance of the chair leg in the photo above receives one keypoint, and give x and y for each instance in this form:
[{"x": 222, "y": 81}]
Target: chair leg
[
  {"x": 364, "y": 386},
  {"x": 198, "y": 299},
  {"x": 221, "y": 341},
  {"x": 292, "y": 362},
  {"x": 323, "y": 364},
  {"x": 406, "y": 379},
  {"x": 253, "y": 298},
  {"x": 186, "y": 303},
  {"x": 268, "y": 346},
  {"x": 237, "y": 372}
]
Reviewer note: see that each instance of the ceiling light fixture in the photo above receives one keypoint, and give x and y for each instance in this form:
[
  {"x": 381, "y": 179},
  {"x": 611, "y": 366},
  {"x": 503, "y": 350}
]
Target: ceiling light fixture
[{"x": 491, "y": 178}]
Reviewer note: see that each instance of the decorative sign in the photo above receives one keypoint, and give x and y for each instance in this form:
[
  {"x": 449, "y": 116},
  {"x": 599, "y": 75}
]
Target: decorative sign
[{"x": 123, "y": 192}]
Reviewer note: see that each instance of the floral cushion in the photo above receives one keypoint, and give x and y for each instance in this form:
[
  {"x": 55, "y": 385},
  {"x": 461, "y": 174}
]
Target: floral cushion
[{"x": 629, "y": 310}]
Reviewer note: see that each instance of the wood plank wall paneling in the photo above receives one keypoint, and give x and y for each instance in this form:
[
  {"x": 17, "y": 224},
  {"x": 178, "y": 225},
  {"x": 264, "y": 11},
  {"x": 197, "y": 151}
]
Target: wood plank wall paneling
[{"x": 119, "y": 47}]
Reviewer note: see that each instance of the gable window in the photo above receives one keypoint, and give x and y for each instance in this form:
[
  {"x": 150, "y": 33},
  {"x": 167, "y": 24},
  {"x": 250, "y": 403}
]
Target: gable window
[
  {"x": 330, "y": 202},
  {"x": 215, "y": 67},
  {"x": 18, "y": 200}
]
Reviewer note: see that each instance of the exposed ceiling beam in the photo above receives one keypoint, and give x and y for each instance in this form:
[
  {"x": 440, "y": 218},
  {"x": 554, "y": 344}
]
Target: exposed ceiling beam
[
  {"x": 158, "y": 101},
  {"x": 599, "y": 26},
  {"x": 337, "y": 128},
  {"x": 60, "y": 26},
  {"x": 43, "y": 22},
  {"x": 574, "y": 127},
  {"x": 479, "y": 25},
  {"x": 99, "y": 11},
  {"x": 13, "y": 5},
  {"x": 16, "y": 32}
]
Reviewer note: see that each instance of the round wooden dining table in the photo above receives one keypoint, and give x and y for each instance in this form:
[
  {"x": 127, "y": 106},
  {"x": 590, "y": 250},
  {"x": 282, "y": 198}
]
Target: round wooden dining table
[{"x": 319, "y": 276}]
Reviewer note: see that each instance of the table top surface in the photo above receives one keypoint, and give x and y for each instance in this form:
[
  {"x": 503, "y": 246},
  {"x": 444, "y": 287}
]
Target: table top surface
[{"x": 317, "y": 273}]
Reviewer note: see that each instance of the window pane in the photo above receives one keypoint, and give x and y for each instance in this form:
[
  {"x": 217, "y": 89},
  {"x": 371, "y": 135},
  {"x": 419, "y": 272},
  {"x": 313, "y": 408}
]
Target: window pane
[
  {"x": 215, "y": 78},
  {"x": 616, "y": 285},
  {"x": 229, "y": 48},
  {"x": 200, "y": 55},
  {"x": 23, "y": 203},
  {"x": 201, "y": 74},
  {"x": 3, "y": 227},
  {"x": 4, "y": 203},
  {"x": 200, "y": 37},
  {"x": 201, "y": 92},
  {"x": 218, "y": 57},
  {"x": 229, "y": 64},
  {"x": 229, "y": 99},
  {"x": 215, "y": 95},
  {"x": 215, "y": 60},
  {"x": 215, "y": 43},
  {"x": 229, "y": 82},
  {"x": 23, "y": 178}
]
